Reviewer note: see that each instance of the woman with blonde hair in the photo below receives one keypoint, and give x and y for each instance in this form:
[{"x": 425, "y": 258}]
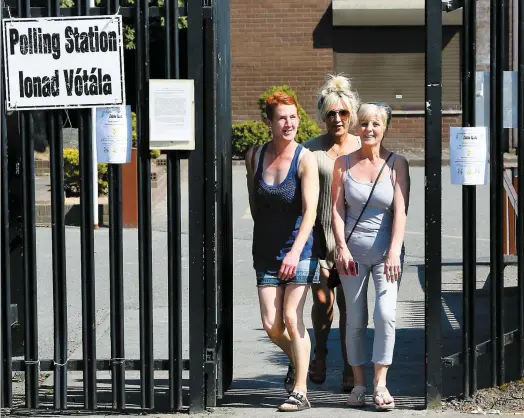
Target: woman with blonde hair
[
  {"x": 337, "y": 106},
  {"x": 282, "y": 178},
  {"x": 370, "y": 195}
]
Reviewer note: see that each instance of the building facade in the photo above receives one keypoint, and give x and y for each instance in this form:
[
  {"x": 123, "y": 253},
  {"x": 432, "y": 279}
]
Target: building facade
[{"x": 379, "y": 44}]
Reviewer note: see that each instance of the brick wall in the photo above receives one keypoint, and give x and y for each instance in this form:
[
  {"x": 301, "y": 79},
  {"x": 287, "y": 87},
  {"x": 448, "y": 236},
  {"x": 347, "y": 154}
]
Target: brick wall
[
  {"x": 275, "y": 43},
  {"x": 407, "y": 132}
]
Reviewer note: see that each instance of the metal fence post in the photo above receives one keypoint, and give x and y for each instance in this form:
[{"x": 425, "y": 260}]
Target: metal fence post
[
  {"x": 496, "y": 190},
  {"x": 469, "y": 245},
  {"x": 520, "y": 194},
  {"x": 197, "y": 322},
  {"x": 433, "y": 206}
]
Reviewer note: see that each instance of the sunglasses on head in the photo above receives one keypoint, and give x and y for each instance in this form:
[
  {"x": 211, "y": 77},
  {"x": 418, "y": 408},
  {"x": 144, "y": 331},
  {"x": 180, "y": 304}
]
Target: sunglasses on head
[
  {"x": 343, "y": 113},
  {"x": 385, "y": 106}
]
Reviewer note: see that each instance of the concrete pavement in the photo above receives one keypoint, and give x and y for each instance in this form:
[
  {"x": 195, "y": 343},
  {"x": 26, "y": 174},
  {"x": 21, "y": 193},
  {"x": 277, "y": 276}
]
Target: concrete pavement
[{"x": 259, "y": 367}]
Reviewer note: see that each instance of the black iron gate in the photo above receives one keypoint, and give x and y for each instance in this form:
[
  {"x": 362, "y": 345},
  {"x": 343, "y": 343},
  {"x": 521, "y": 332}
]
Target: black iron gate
[
  {"x": 210, "y": 236},
  {"x": 502, "y": 356}
]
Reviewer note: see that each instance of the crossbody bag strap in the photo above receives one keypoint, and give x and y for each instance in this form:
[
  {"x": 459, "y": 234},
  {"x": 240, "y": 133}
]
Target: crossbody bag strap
[{"x": 369, "y": 198}]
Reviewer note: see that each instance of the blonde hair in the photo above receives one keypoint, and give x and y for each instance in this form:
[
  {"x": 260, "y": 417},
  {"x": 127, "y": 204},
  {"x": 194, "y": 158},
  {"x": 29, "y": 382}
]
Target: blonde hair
[
  {"x": 368, "y": 111},
  {"x": 337, "y": 88}
]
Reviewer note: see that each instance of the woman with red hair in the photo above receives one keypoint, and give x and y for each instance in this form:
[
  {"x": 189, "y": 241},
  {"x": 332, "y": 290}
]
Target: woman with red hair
[{"x": 283, "y": 185}]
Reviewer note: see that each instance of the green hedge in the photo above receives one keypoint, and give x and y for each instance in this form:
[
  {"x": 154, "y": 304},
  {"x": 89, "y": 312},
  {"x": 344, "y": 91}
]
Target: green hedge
[
  {"x": 72, "y": 174},
  {"x": 252, "y": 132}
]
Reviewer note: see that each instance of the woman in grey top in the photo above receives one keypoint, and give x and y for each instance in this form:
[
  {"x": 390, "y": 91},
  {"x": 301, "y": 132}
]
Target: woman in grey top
[
  {"x": 337, "y": 106},
  {"x": 374, "y": 240}
]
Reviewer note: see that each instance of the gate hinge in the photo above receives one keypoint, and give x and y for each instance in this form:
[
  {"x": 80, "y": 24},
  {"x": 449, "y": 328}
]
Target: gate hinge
[
  {"x": 210, "y": 363},
  {"x": 207, "y": 12}
]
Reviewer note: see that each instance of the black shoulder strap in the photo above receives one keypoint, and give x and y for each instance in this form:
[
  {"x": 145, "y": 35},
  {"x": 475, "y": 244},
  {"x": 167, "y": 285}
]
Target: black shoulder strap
[{"x": 369, "y": 198}]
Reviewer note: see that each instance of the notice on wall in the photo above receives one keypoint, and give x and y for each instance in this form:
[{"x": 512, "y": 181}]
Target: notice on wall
[
  {"x": 113, "y": 134},
  {"x": 172, "y": 114},
  {"x": 68, "y": 62},
  {"x": 468, "y": 155}
]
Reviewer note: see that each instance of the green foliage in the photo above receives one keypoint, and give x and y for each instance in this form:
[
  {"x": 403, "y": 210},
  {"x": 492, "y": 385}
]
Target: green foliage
[
  {"x": 307, "y": 128},
  {"x": 249, "y": 133},
  {"x": 72, "y": 174},
  {"x": 67, "y": 3}
]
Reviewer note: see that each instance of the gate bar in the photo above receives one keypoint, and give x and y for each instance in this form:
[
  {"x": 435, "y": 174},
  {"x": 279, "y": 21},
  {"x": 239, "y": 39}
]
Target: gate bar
[
  {"x": 59, "y": 261},
  {"x": 30, "y": 285},
  {"x": 210, "y": 206},
  {"x": 433, "y": 205},
  {"x": 29, "y": 261},
  {"x": 196, "y": 214},
  {"x": 520, "y": 194},
  {"x": 58, "y": 251},
  {"x": 174, "y": 229},
  {"x": 88, "y": 262},
  {"x": 469, "y": 245},
  {"x": 144, "y": 205},
  {"x": 496, "y": 202},
  {"x": 116, "y": 273},
  {"x": 7, "y": 399}
]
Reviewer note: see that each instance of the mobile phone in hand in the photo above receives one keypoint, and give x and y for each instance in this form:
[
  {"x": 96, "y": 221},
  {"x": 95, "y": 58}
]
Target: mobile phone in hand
[{"x": 354, "y": 268}]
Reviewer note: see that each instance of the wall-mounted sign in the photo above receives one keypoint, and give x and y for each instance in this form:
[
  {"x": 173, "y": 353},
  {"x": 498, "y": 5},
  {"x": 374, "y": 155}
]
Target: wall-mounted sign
[
  {"x": 113, "y": 134},
  {"x": 172, "y": 114},
  {"x": 68, "y": 62},
  {"x": 468, "y": 155}
]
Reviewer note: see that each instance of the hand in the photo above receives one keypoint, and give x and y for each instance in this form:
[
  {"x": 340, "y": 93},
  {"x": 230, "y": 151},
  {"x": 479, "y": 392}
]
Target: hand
[
  {"x": 392, "y": 267},
  {"x": 344, "y": 259},
  {"x": 288, "y": 268}
]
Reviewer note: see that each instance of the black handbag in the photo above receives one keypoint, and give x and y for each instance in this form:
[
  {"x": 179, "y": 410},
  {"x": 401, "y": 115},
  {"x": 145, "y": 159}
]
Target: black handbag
[{"x": 334, "y": 277}]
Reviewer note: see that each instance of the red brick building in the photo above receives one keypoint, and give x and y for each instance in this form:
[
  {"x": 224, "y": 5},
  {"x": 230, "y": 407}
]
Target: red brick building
[{"x": 379, "y": 44}]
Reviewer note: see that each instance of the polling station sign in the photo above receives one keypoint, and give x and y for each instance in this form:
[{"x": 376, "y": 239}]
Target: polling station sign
[{"x": 67, "y": 62}]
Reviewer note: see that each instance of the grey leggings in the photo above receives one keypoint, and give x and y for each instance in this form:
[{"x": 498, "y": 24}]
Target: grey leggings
[{"x": 355, "y": 293}]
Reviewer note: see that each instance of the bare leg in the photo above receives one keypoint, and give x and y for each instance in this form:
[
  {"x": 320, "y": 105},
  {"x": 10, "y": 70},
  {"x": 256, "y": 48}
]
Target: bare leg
[
  {"x": 271, "y": 300},
  {"x": 294, "y": 300},
  {"x": 322, "y": 318}
]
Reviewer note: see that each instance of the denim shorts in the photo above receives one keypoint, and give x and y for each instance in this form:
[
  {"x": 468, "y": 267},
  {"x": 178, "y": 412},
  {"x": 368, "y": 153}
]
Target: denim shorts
[{"x": 308, "y": 272}]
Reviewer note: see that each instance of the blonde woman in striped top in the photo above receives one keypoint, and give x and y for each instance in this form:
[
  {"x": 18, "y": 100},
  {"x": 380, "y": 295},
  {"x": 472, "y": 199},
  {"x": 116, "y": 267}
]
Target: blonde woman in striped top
[{"x": 337, "y": 106}]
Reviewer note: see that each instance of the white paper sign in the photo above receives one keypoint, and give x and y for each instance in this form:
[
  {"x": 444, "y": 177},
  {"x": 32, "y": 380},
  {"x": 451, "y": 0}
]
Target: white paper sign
[
  {"x": 68, "y": 62},
  {"x": 469, "y": 155},
  {"x": 113, "y": 134},
  {"x": 172, "y": 114}
]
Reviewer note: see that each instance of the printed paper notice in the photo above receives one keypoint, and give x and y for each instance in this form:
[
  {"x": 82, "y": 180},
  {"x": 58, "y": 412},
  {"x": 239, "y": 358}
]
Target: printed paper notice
[
  {"x": 171, "y": 114},
  {"x": 113, "y": 134},
  {"x": 469, "y": 155}
]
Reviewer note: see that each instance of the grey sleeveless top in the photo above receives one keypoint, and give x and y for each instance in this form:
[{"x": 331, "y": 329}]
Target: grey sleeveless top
[{"x": 378, "y": 216}]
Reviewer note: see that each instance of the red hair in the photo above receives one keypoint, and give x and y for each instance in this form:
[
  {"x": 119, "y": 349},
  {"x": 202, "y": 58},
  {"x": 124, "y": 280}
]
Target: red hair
[{"x": 278, "y": 98}]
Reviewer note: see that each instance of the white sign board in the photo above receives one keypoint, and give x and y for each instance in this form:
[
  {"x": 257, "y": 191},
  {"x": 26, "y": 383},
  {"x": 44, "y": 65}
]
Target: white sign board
[
  {"x": 113, "y": 134},
  {"x": 68, "y": 62},
  {"x": 468, "y": 155},
  {"x": 172, "y": 114}
]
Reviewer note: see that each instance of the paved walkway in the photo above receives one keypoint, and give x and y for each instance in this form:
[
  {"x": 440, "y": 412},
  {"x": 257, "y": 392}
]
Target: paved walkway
[{"x": 259, "y": 367}]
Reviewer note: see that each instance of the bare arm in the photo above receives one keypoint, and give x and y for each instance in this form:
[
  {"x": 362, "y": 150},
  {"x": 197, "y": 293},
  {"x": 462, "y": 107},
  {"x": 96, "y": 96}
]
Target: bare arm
[
  {"x": 400, "y": 204},
  {"x": 308, "y": 173},
  {"x": 338, "y": 211},
  {"x": 338, "y": 214},
  {"x": 400, "y": 210}
]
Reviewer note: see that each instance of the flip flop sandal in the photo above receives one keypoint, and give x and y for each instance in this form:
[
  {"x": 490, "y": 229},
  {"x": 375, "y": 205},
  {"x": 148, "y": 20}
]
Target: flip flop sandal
[
  {"x": 348, "y": 383},
  {"x": 357, "y": 397},
  {"x": 297, "y": 401},
  {"x": 315, "y": 374},
  {"x": 289, "y": 380},
  {"x": 381, "y": 392}
]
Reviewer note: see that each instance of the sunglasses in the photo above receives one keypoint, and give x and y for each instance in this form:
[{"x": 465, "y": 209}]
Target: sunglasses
[{"x": 343, "y": 113}]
